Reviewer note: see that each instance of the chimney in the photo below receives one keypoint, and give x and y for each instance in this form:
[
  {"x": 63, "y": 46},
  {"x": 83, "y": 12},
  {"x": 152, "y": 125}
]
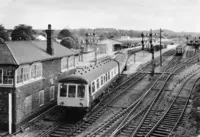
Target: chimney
[{"x": 49, "y": 32}]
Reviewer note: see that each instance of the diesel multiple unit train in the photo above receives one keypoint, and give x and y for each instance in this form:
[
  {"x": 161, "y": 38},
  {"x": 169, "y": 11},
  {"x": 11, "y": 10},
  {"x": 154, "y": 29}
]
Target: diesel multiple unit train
[{"x": 81, "y": 89}]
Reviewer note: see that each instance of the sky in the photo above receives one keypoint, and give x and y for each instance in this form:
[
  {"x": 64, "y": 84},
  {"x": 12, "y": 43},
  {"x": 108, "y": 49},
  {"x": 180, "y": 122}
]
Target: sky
[{"x": 176, "y": 15}]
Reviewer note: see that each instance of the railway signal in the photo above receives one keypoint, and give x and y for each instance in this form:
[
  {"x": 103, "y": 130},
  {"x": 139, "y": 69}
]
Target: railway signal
[
  {"x": 93, "y": 39},
  {"x": 142, "y": 35}
]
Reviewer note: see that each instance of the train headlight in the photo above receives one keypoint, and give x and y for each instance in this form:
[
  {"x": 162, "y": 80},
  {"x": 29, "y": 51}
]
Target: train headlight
[
  {"x": 61, "y": 103},
  {"x": 81, "y": 104}
]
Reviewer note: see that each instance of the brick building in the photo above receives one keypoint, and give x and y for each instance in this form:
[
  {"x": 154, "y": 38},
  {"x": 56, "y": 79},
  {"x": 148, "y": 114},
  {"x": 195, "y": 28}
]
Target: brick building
[{"x": 28, "y": 78}]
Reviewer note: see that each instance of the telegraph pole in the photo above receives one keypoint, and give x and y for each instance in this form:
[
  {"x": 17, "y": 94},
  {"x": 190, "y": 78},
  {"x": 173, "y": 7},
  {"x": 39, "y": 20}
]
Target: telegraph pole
[{"x": 160, "y": 48}]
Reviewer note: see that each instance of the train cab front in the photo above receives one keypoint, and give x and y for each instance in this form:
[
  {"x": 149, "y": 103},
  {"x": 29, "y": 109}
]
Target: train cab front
[{"x": 72, "y": 96}]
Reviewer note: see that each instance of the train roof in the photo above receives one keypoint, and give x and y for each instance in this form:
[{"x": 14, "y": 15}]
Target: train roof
[{"x": 89, "y": 73}]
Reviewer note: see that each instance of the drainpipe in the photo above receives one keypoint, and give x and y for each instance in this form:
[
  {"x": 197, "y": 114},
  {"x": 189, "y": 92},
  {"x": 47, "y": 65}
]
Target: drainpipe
[{"x": 10, "y": 113}]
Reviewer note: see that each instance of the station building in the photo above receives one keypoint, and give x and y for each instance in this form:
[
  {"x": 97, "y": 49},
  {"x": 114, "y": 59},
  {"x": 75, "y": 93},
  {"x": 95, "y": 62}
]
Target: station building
[
  {"x": 108, "y": 46},
  {"x": 29, "y": 71}
]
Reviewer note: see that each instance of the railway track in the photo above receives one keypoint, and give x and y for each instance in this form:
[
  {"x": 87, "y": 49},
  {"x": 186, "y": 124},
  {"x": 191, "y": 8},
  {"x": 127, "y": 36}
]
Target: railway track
[
  {"x": 148, "y": 121},
  {"x": 142, "y": 101},
  {"x": 101, "y": 131},
  {"x": 170, "y": 119}
]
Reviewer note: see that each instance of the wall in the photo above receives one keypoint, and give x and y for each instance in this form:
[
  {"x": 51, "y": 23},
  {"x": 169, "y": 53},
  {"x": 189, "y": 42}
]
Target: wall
[{"x": 51, "y": 71}]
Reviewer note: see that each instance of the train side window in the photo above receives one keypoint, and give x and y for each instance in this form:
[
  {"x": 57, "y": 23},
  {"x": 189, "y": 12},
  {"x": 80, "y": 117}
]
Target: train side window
[
  {"x": 93, "y": 87},
  {"x": 97, "y": 83},
  {"x": 63, "y": 90},
  {"x": 101, "y": 80},
  {"x": 72, "y": 91},
  {"x": 108, "y": 75},
  {"x": 111, "y": 74},
  {"x": 81, "y": 91},
  {"x": 114, "y": 71}
]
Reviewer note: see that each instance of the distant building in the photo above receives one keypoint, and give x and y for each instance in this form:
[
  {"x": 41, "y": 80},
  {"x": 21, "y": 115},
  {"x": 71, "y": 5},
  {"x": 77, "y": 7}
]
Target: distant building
[
  {"x": 108, "y": 46},
  {"x": 29, "y": 71},
  {"x": 40, "y": 37}
]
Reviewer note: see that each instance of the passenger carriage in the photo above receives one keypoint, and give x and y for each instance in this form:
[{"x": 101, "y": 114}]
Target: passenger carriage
[{"x": 180, "y": 49}]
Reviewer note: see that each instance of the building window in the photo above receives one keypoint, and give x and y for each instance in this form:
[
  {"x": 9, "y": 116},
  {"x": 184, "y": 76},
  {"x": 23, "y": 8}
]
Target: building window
[
  {"x": 97, "y": 83},
  {"x": 64, "y": 63},
  {"x": 101, "y": 80},
  {"x": 6, "y": 76},
  {"x": 52, "y": 92},
  {"x": 36, "y": 70},
  {"x": 71, "y": 62},
  {"x": 28, "y": 105},
  {"x": 26, "y": 73},
  {"x": 93, "y": 86},
  {"x": 41, "y": 98},
  {"x": 19, "y": 75},
  {"x": 23, "y": 74},
  {"x": 1, "y": 76}
]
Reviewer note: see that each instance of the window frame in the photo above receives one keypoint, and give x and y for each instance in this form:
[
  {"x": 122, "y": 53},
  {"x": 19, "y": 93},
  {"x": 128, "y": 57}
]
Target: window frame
[
  {"x": 97, "y": 83},
  {"x": 102, "y": 80},
  {"x": 30, "y": 75},
  {"x": 69, "y": 62},
  {"x": 64, "y": 84},
  {"x": 108, "y": 75},
  {"x": 68, "y": 90},
  {"x": 52, "y": 93},
  {"x": 65, "y": 61},
  {"x": 41, "y": 103},
  {"x": 1, "y": 76},
  {"x": 29, "y": 106},
  {"x": 93, "y": 85},
  {"x": 84, "y": 91}
]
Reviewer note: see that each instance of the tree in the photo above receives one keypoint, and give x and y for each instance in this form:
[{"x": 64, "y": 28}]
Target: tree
[
  {"x": 64, "y": 33},
  {"x": 68, "y": 42},
  {"x": 3, "y": 33},
  {"x": 22, "y": 32}
]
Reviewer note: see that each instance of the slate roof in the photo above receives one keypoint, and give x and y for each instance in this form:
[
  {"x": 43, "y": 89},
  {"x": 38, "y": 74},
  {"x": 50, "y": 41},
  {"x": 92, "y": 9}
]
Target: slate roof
[
  {"x": 22, "y": 52},
  {"x": 6, "y": 56}
]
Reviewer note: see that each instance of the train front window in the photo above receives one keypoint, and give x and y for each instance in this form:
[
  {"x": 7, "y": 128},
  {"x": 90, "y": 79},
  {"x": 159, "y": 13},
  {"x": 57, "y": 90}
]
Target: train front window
[
  {"x": 63, "y": 90},
  {"x": 72, "y": 91},
  {"x": 81, "y": 91}
]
